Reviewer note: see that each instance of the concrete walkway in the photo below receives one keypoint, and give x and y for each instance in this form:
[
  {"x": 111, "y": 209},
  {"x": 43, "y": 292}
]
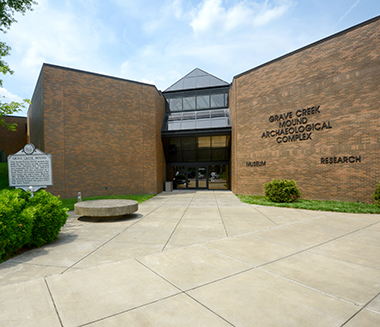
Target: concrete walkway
[{"x": 200, "y": 258}]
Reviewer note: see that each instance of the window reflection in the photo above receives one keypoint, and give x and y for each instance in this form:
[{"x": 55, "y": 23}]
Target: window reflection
[
  {"x": 193, "y": 149},
  {"x": 189, "y": 103},
  {"x": 217, "y": 100},
  {"x": 195, "y": 100},
  {"x": 203, "y": 101}
]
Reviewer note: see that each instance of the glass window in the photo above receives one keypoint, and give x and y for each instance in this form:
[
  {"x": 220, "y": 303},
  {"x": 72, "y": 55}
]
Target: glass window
[
  {"x": 189, "y": 103},
  {"x": 219, "y": 154},
  {"x": 219, "y": 122},
  {"x": 174, "y": 125},
  {"x": 203, "y": 101},
  {"x": 188, "y": 124},
  {"x": 188, "y": 143},
  {"x": 204, "y": 154},
  {"x": 217, "y": 100},
  {"x": 179, "y": 176},
  {"x": 203, "y": 123},
  {"x": 173, "y": 150},
  {"x": 203, "y": 81},
  {"x": 174, "y": 122},
  {"x": 218, "y": 113},
  {"x": 188, "y": 120},
  {"x": 175, "y": 104},
  {"x": 203, "y": 119},
  {"x": 218, "y": 141},
  {"x": 204, "y": 141},
  {"x": 190, "y": 83},
  {"x": 189, "y": 155}
]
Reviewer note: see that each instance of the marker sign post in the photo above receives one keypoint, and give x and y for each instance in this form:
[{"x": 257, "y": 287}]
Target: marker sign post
[{"x": 30, "y": 169}]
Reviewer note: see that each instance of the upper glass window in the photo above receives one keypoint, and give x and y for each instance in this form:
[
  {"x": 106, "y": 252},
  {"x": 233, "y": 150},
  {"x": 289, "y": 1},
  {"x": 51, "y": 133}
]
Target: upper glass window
[
  {"x": 175, "y": 104},
  {"x": 189, "y": 102},
  {"x": 217, "y": 101},
  {"x": 203, "y": 101},
  {"x": 176, "y": 121},
  {"x": 207, "y": 99}
]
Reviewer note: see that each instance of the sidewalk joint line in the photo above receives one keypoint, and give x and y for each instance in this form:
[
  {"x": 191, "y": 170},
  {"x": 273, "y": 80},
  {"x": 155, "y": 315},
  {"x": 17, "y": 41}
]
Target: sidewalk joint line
[
  {"x": 221, "y": 216},
  {"x": 52, "y": 299},
  {"x": 118, "y": 234},
  {"x": 175, "y": 228},
  {"x": 309, "y": 287},
  {"x": 203, "y": 305}
]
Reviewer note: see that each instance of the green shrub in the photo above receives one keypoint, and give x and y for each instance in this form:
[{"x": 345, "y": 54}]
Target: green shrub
[
  {"x": 376, "y": 194},
  {"x": 16, "y": 221},
  {"x": 282, "y": 191},
  {"x": 28, "y": 222},
  {"x": 49, "y": 218}
]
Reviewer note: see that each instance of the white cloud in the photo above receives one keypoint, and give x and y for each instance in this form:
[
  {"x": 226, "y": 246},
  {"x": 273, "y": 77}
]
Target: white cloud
[
  {"x": 176, "y": 8},
  {"x": 268, "y": 13},
  {"x": 160, "y": 41},
  {"x": 64, "y": 38},
  {"x": 124, "y": 68},
  {"x": 209, "y": 13},
  {"x": 7, "y": 96}
]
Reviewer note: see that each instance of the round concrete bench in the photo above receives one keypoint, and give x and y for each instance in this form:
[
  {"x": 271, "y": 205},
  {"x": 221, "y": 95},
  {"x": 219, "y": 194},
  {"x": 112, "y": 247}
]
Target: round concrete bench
[{"x": 105, "y": 208}]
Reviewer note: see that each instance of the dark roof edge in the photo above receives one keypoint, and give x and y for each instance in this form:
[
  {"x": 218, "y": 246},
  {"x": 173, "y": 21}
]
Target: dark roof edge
[
  {"x": 367, "y": 22},
  {"x": 199, "y": 89},
  {"x": 101, "y": 75},
  {"x": 14, "y": 116}
]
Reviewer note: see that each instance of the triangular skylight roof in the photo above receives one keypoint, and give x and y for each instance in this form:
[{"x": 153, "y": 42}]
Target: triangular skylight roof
[{"x": 196, "y": 79}]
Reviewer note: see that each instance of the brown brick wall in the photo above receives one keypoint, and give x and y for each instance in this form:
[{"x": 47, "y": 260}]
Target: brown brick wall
[
  {"x": 101, "y": 132},
  {"x": 341, "y": 75},
  {"x": 36, "y": 116},
  {"x": 13, "y": 141}
]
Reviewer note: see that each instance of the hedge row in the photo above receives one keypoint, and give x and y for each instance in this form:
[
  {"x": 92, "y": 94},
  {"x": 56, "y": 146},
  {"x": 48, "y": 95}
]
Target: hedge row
[
  {"x": 284, "y": 191},
  {"x": 27, "y": 222}
]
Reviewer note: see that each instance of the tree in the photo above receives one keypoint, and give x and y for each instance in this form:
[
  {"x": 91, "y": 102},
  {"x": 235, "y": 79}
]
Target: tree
[{"x": 8, "y": 8}]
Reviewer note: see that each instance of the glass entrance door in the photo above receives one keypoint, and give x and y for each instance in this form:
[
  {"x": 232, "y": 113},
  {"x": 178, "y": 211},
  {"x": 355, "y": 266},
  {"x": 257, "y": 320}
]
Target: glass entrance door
[
  {"x": 191, "y": 177},
  {"x": 196, "y": 177},
  {"x": 199, "y": 176},
  {"x": 202, "y": 177}
]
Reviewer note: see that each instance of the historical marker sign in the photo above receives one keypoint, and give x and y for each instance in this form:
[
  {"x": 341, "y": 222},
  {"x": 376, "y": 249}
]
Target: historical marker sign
[{"x": 30, "y": 167}]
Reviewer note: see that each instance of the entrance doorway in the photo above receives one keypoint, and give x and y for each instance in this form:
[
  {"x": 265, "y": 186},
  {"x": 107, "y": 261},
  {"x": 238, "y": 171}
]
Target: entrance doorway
[
  {"x": 196, "y": 177},
  {"x": 199, "y": 176}
]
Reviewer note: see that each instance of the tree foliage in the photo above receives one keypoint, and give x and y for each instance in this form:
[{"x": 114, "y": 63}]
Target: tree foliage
[{"x": 8, "y": 8}]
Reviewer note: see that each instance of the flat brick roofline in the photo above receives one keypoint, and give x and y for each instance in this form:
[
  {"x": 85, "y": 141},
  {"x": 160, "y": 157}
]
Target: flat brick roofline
[
  {"x": 100, "y": 75},
  {"x": 370, "y": 21}
]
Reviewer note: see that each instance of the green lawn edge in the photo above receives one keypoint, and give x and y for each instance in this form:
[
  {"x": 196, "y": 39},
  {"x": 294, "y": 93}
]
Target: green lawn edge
[
  {"x": 317, "y": 205},
  {"x": 69, "y": 203}
]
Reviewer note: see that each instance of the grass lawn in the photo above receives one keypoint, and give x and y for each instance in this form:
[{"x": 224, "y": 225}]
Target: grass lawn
[
  {"x": 69, "y": 203},
  {"x": 337, "y": 206}
]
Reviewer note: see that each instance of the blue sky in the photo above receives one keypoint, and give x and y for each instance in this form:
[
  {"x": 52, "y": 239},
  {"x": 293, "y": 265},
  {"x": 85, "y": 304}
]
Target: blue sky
[{"x": 159, "y": 42}]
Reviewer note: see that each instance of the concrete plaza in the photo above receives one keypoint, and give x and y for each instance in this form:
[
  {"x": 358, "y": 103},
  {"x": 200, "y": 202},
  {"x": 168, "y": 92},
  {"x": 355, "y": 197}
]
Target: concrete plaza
[{"x": 200, "y": 258}]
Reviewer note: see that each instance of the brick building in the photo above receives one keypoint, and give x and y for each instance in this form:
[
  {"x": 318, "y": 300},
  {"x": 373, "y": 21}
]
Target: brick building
[
  {"x": 311, "y": 115},
  {"x": 103, "y": 132},
  {"x": 12, "y": 141}
]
